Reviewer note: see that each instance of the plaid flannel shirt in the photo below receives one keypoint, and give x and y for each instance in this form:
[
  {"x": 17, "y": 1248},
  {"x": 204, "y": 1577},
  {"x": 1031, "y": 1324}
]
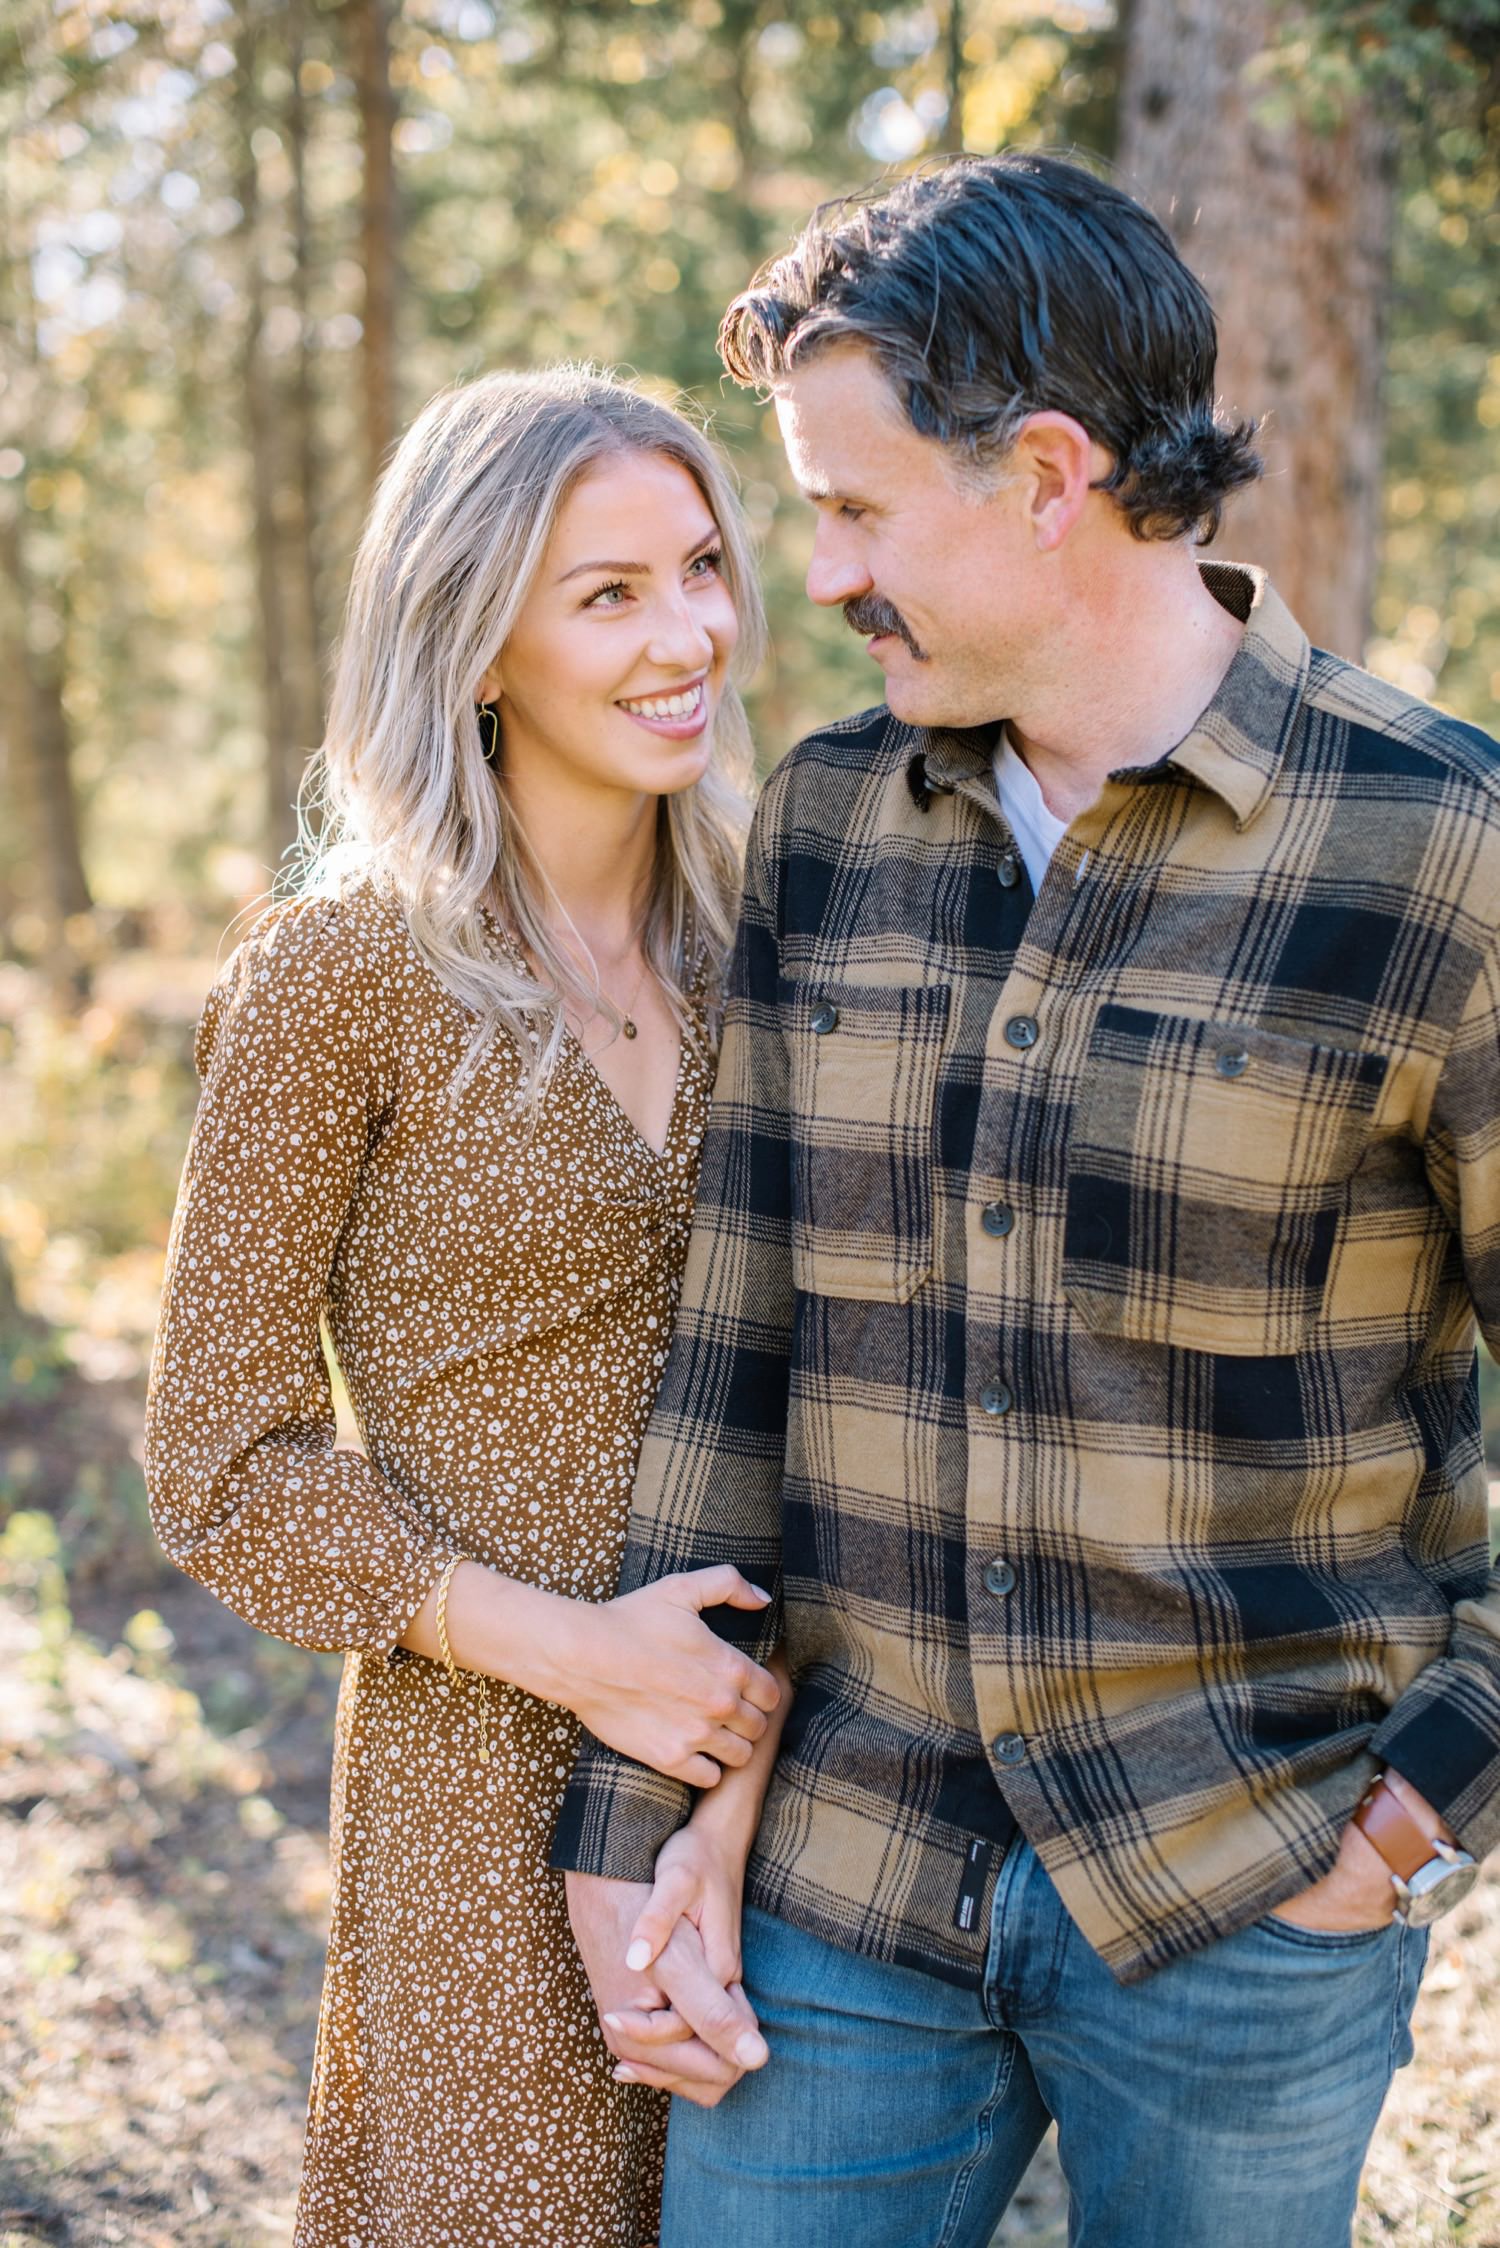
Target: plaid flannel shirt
[{"x": 1078, "y": 1329}]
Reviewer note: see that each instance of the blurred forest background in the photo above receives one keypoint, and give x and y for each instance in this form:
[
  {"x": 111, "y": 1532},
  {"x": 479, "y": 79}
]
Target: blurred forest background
[{"x": 241, "y": 241}]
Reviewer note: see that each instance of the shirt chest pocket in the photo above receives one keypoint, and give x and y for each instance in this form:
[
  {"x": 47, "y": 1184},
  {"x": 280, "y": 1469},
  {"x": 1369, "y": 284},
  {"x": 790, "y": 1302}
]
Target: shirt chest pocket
[
  {"x": 863, "y": 1077},
  {"x": 1208, "y": 1171}
]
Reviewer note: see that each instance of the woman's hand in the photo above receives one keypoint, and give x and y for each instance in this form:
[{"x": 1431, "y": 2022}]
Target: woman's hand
[
  {"x": 694, "y": 2034},
  {"x": 648, "y": 1677},
  {"x": 698, "y": 1878}
]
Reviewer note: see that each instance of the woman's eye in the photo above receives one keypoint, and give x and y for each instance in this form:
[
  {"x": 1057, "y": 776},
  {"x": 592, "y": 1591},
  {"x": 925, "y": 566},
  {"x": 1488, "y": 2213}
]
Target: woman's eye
[
  {"x": 706, "y": 565},
  {"x": 850, "y": 514},
  {"x": 608, "y": 596}
]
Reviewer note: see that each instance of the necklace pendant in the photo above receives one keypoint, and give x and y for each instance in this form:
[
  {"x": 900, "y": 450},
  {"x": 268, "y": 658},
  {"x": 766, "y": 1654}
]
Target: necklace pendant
[{"x": 628, "y": 1027}]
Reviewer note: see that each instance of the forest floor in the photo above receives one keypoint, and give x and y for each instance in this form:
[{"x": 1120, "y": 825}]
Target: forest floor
[{"x": 164, "y": 1888}]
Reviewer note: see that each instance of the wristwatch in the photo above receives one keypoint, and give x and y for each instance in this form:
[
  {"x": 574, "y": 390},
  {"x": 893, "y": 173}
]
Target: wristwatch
[{"x": 1429, "y": 1875}]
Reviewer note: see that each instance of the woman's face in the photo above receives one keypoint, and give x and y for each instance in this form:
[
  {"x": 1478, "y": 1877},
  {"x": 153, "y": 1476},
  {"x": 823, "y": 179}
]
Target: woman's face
[{"x": 613, "y": 674}]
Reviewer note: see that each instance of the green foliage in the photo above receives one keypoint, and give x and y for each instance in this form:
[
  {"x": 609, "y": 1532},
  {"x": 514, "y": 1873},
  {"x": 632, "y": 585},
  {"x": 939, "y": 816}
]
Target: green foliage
[
  {"x": 1406, "y": 52},
  {"x": 31, "y": 1567},
  {"x": 94, "y": 1112},
  {"x": 1437, "y": 610}
]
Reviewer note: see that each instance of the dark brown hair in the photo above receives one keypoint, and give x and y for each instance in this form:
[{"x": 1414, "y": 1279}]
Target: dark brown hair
[{"x": 990, "y": 288}]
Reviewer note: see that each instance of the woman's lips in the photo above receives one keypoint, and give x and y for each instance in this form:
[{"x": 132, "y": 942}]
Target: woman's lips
[{"x": 675, "y": 727}]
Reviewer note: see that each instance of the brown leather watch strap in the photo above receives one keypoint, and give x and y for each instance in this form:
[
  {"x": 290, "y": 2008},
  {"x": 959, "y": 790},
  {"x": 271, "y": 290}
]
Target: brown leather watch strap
[{"x": 1384, "y": 1820}]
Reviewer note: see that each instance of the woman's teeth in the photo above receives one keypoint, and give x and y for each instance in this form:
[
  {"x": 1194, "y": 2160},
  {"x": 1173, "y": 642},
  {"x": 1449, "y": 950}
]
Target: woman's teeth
[{"x": 667, "y": 706}]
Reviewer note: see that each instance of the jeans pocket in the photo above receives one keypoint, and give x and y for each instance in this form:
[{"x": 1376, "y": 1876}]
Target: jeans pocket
[
  {"x": 1411, "y": 1958},
  {"x": 1325, "y": 1940}
]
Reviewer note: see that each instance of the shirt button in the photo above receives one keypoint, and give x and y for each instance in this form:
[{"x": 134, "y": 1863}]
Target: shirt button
[
  {"x": 995, "y": 1399},
  {"x": 997, "y": 1218},
  {"x": 1022, "y": 1031},
  {"x": 999, "y": 1578},
  {"x": 824, "y": 1017},
  {"x": 1233, "y": 1062},
  {"x": 1008, "y": 872},
  {"x": 1009, "y": 1748}
]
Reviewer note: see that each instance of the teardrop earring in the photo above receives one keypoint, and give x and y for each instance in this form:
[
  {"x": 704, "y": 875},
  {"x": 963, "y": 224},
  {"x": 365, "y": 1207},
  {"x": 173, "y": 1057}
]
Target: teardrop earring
[{"x": 488, "y": 716}]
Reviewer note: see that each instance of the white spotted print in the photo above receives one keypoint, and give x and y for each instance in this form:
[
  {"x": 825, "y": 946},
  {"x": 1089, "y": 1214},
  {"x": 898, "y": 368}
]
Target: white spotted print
[{"x": 500, "y": 1297}]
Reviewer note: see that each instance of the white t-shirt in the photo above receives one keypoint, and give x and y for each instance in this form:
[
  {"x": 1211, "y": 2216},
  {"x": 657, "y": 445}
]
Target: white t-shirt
[{"x": 1036, "y": 830}]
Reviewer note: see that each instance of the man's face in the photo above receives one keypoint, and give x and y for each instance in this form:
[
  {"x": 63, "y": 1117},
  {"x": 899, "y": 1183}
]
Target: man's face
[{"x": 949, "y": 590}]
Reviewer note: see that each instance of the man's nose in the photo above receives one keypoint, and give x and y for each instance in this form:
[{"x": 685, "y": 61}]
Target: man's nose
[{"x": 836, "y": 573}]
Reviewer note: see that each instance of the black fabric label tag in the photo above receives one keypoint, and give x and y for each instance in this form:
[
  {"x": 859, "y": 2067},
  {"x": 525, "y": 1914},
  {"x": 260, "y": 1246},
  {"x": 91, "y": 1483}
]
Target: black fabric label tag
[{"x": 971, "y": 1884}]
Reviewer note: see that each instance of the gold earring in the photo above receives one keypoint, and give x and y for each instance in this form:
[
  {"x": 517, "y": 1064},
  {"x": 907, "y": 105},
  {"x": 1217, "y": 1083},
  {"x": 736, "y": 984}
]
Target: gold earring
[{"x": 488, "y": 716}]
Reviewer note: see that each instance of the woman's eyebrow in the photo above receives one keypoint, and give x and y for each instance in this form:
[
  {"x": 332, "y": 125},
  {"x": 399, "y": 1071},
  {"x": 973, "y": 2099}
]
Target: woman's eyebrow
[
  {"x": 618, "y": 569},
  {"x": 634, "y": 569}
]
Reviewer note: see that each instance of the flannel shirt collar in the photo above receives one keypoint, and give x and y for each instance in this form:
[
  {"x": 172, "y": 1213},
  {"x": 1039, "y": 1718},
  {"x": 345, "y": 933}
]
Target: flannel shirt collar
[{"x": 1237, "y": 746}]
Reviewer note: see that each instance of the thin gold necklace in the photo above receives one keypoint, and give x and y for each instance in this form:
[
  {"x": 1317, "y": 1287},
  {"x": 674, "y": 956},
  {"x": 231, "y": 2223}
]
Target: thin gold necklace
[
  {"x": 629, "y": 1028},
  {"x": 627, "y": 1014}
]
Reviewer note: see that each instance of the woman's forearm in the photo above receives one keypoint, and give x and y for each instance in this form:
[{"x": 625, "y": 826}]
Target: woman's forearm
[
  {"x": 500, "y": 1626},
  {"x": 643, "y": 1672}
]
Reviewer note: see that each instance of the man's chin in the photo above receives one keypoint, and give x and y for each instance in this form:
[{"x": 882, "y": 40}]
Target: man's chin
[{"x": 920, "y": 701}]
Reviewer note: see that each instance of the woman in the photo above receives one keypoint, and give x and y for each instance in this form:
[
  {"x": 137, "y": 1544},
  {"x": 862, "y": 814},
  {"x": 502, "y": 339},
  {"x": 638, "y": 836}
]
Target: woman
[{"x": 453, "y": 1098}]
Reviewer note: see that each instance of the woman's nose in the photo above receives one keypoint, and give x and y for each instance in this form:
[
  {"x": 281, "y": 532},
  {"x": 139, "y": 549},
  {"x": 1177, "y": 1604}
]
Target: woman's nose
[{"x": 678, "y": 637}]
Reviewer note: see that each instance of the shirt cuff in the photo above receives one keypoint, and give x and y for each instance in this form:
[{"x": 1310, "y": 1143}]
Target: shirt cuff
[
  {"x": 616, "y": 1815},
  {"x": 1443, "y": 1734}
]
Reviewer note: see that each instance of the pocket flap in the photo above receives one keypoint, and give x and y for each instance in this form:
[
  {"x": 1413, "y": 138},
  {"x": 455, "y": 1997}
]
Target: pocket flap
[
  {"x": 1207, "y": 1171},
  {"x": 863, "y": 1071}
]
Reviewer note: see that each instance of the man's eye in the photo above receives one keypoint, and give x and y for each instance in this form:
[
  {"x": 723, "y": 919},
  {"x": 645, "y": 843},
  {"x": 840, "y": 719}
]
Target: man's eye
[{"x": 850, "y": 514}]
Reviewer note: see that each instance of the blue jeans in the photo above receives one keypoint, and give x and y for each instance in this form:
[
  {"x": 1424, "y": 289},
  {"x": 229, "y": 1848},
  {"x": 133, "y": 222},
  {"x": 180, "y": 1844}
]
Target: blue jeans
[{"x": 1226, "y": 2103}]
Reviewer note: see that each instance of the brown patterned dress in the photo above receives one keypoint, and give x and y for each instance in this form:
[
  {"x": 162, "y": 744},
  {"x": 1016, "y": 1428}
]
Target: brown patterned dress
[{"x": 500, "y": 1299}]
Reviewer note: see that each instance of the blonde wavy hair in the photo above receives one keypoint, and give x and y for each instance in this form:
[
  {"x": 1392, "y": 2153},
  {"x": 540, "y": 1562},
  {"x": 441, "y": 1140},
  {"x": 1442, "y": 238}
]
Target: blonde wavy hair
[{"x": 400, "y": 791}]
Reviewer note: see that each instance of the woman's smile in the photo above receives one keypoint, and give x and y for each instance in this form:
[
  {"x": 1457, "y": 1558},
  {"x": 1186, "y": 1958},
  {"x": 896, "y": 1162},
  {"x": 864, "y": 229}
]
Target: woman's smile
[{"x": 677, "y": 716}]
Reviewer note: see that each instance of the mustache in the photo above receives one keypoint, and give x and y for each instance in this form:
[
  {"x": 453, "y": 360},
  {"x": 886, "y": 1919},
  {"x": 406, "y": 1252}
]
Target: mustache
[{"x": 870, "y": 614}]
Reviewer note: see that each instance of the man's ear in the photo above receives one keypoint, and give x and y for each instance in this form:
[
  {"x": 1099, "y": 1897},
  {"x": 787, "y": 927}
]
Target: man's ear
[{"x": 1060, "y": 462}]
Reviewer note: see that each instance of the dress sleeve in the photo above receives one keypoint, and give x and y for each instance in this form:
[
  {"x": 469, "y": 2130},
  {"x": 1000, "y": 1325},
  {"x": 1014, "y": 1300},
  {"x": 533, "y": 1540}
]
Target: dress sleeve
[{"x": 249, "y": 1493}]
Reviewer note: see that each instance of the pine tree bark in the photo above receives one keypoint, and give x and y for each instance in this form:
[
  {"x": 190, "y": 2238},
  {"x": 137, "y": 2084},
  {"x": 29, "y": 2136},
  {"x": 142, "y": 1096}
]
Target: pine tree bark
[
  {"x": 1288, "y": 221},
  {"x": 953, "y": 124},
  {"x": 39, "y": 749},
  {"x": 45, "y": 745},
  {"x": 259, "y": 407},
  {"x": 369, "y": 30},
  {"x": 305, "y": 616}
]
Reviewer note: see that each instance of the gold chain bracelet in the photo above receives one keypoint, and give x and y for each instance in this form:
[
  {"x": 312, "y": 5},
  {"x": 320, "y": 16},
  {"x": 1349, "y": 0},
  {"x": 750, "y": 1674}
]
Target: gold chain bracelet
[{"x": 477, "y": 1680}]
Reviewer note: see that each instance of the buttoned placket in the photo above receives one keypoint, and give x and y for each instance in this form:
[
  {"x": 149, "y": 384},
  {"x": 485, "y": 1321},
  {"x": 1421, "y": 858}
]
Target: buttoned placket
[{"x": 1028, "y": 1015}]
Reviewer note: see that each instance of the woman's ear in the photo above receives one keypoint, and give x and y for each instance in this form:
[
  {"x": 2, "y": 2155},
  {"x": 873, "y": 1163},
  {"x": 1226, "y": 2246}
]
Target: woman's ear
[{"x": 489, "y": 689}]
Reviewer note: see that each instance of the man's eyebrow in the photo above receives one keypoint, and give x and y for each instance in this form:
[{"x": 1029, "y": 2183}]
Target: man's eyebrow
[
  {"x": 823, "y": 494},
  {"x": 635, "y": 569}
]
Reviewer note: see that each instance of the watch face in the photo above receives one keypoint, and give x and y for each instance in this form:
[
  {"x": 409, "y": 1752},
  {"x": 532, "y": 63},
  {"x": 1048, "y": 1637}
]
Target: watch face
[{"x": 1435, "y": 1889}]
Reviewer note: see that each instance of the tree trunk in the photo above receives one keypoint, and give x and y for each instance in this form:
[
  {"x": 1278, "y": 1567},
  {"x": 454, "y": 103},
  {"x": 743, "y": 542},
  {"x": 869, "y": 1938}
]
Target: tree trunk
[
  {"x": 40, "y": 746},
  {"x": 12, "y": 1318},
  {"x": 258, "y": 403},
  {"x": 306, "y": 619},
  {"x": 953, "y": 124},
  {"x": 1289, "y": 225},
  {"x": 44, "y": 747},
  {"x": 370, "y": 42}
]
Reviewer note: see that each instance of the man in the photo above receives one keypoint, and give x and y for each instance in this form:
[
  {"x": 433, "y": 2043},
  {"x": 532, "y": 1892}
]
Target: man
[{"x": 1104, "y": 1176}]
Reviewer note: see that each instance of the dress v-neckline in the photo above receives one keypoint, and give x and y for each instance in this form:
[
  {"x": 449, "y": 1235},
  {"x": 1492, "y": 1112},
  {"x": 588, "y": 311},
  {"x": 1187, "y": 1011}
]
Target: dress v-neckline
[
  {"x": 657, "y": 1154},
  {"x": 570, "y": 1038}
]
